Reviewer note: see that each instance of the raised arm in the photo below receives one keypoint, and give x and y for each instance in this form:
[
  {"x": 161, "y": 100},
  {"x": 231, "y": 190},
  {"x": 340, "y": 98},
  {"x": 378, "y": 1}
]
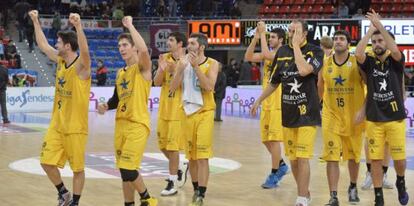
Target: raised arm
[
  {"x": 391, "y": 45},
  {"x": 83, "y": 67},
  {"x": 362, "y": 45},
  {"x": 304, "y": 67},
  {"x": 266, "y": 53},
  {"x": 250, "y": 55},
  {"x": 144, "y": 56},
  {"x": 41, "y": 40}
]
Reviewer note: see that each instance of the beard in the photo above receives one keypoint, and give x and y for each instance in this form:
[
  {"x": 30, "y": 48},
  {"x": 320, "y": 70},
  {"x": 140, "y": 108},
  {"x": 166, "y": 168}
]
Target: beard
[{"x": 379, "y": 51}]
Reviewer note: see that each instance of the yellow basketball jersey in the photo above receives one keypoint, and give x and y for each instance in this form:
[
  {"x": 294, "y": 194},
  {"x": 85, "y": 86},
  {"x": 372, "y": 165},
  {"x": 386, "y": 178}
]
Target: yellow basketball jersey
[
  {"x": 343, "y": 95},
  {"x": 133, "y": 93},
  {"x": 171, "y": 107},
  {"x": 274, "y": 100},
  {"x": 71, "y": 104},
  {"x": 208, "y": 96}
]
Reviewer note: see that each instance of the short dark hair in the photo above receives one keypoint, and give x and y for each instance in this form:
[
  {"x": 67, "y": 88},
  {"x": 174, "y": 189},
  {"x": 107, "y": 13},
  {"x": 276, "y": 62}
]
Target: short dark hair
[
  {"x": 180, "y": 37},
  {"x": 281, "y": 34},
  {"x": 126, "y": 36},
  {"x": 201, "y": 38},
  {"x": 344, "y": 33},
  {"x": 378, "y": 32},
  {"x": 69, "y": 37},
  {"x": 303, "y": 22}
]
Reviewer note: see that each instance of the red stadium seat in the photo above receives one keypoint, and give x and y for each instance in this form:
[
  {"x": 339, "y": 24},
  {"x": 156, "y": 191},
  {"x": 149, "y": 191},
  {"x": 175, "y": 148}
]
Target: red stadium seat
[
  {"x": 268, "y": 2},
  {"x": 328, "y": 9},
  {"x": 299, "y": 2},
  {"x": 310, "y": 2},
  {"x": 284, "y": 9}
]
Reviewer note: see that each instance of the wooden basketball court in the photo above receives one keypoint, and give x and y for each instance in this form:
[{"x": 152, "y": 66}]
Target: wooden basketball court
[{"x": 236, "y": 138}]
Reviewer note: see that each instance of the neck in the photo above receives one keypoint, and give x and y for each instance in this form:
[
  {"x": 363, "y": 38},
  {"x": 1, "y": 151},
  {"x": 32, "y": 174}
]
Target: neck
[
  {"x": 202, "y": 58},
  {"x": 276, "y": 47},
  {"x": 341, "y": 57},
  {"x": 132, "y": 60},
  {"x": 69, "y": 57},
  {"x": 177, "y": 54}
]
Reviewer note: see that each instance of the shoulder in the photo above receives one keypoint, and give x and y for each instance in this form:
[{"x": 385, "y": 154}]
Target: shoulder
[{"x": 313, "y": 47}]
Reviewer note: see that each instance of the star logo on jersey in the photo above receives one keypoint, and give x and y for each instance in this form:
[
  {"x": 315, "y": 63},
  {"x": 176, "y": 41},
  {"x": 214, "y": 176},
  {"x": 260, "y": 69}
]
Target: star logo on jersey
[
  {"x": 124, "y": 84},
  {"x": 383, "y": 85},
  {"x": 61, "y": 82},
  {"x": 339, "y": 80},
  {"x": 294, "y": 86}
]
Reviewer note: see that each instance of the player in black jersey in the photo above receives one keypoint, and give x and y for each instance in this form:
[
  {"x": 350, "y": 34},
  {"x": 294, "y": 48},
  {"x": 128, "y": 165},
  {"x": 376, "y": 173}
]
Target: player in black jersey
[
  {"x": 385, "y": 112},
  {"x": 296, "y": 68}
]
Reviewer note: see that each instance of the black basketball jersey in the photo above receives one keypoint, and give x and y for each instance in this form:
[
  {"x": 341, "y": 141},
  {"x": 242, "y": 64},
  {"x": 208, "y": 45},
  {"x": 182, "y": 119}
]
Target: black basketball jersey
[
  {"x": 300, "y": 101},
  {"x": 385, "y": 100}
]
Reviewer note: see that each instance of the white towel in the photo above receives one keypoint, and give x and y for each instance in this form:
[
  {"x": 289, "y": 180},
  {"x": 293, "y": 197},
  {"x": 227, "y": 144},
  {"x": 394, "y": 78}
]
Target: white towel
[{"x": 192, "y": 98}]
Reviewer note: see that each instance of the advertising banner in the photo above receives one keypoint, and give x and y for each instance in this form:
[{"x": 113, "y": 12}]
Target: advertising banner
[
  {"x": 219, "y": 32},
  {"x": 403, "y": 30},
  {"x": 320, "y": 28},
  {"x": 249, "y": 28}
]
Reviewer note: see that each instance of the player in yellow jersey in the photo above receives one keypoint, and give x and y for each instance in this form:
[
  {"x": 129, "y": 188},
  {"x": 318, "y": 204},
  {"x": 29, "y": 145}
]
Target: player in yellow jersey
[
  {"x": 341, "y": 87},
  {"x": 271, "y": 114},
  {"x": 171, "y": 113},
  {"x": 326, "y": 45},
  {"x": 132, "y": 120},
  {"x": 66, "y": 137},
  {"x": 198, "y": 74}
]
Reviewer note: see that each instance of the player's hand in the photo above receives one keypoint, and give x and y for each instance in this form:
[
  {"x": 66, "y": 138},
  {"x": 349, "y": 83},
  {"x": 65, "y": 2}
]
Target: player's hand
[
  {"x": 374, "y": 17},
  {"x": 75, "y": 20},
  {"x": 193, "y": 58},
  {"x": 102, "y": 108},
  {"x": 359, "y": 116},
  {"x": 34, "y": 15},
  {"x": 261, "y": 27},
  {"x": 253, "y": 110},
  {"x": 127, "y": 22},
  {"x": 298, "y": 36}
]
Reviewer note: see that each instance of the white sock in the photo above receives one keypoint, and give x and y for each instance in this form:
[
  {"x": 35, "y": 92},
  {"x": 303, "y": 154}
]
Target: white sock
[{"x": 173, "y": 178}]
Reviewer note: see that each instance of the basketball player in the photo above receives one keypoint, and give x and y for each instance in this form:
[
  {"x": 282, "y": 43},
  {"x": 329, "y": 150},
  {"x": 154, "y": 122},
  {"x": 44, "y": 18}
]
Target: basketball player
[
  {"x": 200, "y": 124},
  {"x": 68, "y": 131},
  {"x": 296, "y": 68},
  {"x": 342, "y": 88},
  {"x": 132, "y": 124},
  {"x": 385, "y": 114},
  {"x": 326, "y": 45},
  {"x": 171, "y": 113},
  {"x": 271, "y": 114}
]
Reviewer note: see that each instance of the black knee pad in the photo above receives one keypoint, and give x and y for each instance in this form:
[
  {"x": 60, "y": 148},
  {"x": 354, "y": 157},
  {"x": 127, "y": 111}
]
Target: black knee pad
[{"x": 128, "y": 175}]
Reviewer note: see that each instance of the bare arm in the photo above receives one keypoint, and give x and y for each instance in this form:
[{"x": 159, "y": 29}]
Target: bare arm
[
  {"x": 41, "y": 40},
  {"x": 362, "y": 44},
  {"x": 250, "y": 55},
  {"x": 144, "y": 57},
  {"x": 266, "y": 53},
  {"x": 179, "y": 74},
  {"x": 266, "y": 93},
  {"x": 159, "y": 76},
  {"x": 303, "y": 67},
  {"x": 207, "y": 81},
  {"x": 321, "y": 84},
  {"x": 83, "y": 67}
]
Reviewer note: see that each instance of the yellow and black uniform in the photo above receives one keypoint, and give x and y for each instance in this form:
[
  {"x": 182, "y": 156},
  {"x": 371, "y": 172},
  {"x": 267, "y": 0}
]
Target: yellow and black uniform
[
  {"x": 385, "y": 105},
  {"x": 132, "y": 120},
  {"x": 68, "y": 131},
  {"x": 170, "y": 114},
  {"x": 343, "y": 98},
  {"x": 300, "y": 101},
  {"x": 199, "y": 126},
  {"x": 271, "y": 114}
]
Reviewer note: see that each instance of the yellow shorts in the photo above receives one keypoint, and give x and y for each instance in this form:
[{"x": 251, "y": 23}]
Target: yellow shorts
[
  {"x": 271, "y": 125},
  {"x": 299, "y": 142},
  {"x": 170, "y": 135},
  {"x": 58, "y": 147},
  {"x": 130, "y": 141},
  {"x": 392, "y": 132},
  {"x": 334, "y": 144},
  {"x": 199, "y": 135}
]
